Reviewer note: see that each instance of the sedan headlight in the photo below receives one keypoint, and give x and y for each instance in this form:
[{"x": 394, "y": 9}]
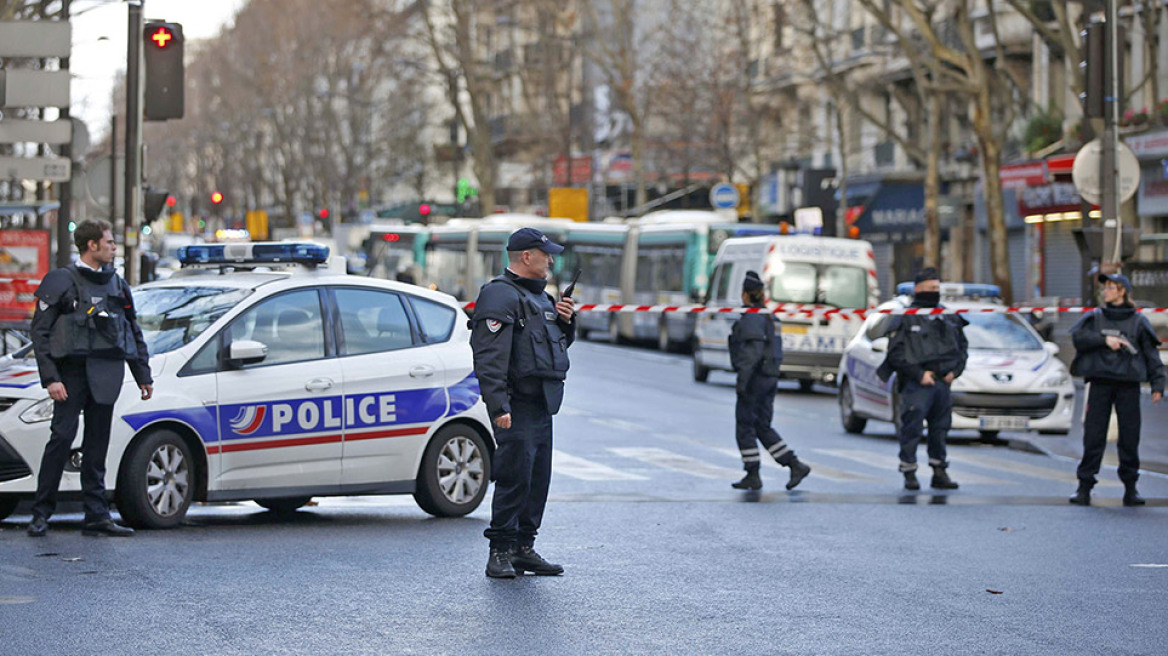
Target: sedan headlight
[
  {"x": 1057, "y": 379},
  {"x": 38, "y": 412}
]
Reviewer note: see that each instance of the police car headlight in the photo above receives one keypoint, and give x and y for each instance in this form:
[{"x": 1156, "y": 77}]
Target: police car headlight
[
  {"x": 39, "y": 411},
  {"x": 1057, "y": 379}
]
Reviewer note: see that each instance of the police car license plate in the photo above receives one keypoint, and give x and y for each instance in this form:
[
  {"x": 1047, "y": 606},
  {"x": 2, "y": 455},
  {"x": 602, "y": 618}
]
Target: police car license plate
[{"x": 1005, "y": 423}]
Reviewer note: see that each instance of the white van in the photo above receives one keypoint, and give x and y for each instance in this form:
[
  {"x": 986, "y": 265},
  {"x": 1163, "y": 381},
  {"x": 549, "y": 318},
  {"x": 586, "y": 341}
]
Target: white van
[{"x": 801, "y": 269}]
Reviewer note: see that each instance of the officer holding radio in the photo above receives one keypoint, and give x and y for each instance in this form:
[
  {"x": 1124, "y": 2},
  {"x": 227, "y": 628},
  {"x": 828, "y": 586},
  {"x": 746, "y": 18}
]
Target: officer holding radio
[
  {"x": 520, "y": 338},
  {"x": 1115, "y": 351},
  {"x": 84, "y": 332}
]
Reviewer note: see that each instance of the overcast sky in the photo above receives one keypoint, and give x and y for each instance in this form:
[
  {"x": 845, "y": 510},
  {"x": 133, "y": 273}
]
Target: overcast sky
[{"x": 97, "y": 60}]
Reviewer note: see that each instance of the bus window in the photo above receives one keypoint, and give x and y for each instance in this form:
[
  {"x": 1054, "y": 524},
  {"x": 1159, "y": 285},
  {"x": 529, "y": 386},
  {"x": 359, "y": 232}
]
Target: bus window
[
  {"x": 844, "y": 286},
  {"x": 600, "y": 267},
  {"x": 447, "y": 269},
  {"x": 660, "y": 270}
]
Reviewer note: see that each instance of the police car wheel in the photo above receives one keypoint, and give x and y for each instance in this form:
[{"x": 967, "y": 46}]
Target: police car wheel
[
  {"x": 851, "y": 423},
  {"x": 456, "y": 468},
  {"x": 7, "y": 506},
  {"x": 701, "y": 373},
  {"x": 283, "y": 506},
  {"x": 156, "y": 482}
]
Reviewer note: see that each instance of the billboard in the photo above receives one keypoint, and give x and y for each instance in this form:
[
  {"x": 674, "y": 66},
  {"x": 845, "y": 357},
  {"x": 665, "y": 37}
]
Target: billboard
[{"x": 24, "y": 261}]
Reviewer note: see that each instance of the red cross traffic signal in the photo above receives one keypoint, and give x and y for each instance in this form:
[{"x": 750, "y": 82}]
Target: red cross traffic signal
[{"x": 162, "y": 55}]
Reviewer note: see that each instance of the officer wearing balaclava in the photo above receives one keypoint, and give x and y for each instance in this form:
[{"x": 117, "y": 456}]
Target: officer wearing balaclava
[{"x": 926, "y": 352}]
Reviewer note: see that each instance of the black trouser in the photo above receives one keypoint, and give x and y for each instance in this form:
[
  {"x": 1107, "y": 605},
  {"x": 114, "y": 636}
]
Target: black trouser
[
  {"x": 1102, "y": 395},
  {"x": 94, "y": 445},
  {"x": 753, "y": 412},
  {"x": 523, "y": 471},
  {"x": 918, "y": 403}
]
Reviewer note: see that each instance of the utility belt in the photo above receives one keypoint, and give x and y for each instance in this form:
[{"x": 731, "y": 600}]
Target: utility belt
[{"x": 96, "y": 327}]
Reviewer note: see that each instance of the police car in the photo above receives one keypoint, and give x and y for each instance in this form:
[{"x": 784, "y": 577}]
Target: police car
[
  {"x": 1012, "y": 379},
  {"x": 277, "y": 379}
]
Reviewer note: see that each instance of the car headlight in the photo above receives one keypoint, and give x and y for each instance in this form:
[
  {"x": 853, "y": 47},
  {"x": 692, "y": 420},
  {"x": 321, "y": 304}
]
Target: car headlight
[
  {"x": 1057, "y": 379},
  {"x": 37, "y": 412}
]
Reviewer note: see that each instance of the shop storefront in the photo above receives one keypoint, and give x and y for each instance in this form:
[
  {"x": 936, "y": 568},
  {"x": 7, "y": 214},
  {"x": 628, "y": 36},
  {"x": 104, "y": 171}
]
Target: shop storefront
[
  {"x": 1152, "y": 198},
  {"x": 890, "y": 214}
]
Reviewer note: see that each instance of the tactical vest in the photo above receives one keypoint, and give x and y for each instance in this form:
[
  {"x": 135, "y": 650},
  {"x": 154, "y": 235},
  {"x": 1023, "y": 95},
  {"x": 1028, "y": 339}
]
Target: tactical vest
[
  {"x": 1111, "y": 364},
  {"x": 930, "y": 339},
  {"x": 97, "y": 325},
  {"x": 772, "y": 357},
  {"x": 540, "y": 347}
]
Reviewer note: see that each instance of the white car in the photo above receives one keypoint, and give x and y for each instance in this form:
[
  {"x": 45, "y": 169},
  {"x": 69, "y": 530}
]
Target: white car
[
  {"x": 276, "y": 385},
  {"x": 1012, "y": 379}
]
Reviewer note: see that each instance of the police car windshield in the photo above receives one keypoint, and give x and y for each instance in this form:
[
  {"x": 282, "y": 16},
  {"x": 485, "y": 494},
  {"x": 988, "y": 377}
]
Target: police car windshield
[
  {"x": 1002, "y": 332},
  {"x": 173, "y": 316},
  {"x": 835, "y": 285}
]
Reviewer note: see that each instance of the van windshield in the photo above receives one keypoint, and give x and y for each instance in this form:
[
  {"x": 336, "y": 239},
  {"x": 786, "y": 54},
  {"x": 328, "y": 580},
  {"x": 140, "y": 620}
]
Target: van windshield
[{"x": 828, "y": 284}]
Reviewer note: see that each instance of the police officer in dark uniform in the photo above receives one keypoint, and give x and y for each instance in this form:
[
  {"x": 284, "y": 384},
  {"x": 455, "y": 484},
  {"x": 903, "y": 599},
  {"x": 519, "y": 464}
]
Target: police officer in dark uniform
[
  {"x": 1115, "y": 351},
  {"x": 520, "y": 337},
  {"x": 756, "y": 353},
  {"x": 927, "y": 352},
  {"x": 84, "y": 332}
]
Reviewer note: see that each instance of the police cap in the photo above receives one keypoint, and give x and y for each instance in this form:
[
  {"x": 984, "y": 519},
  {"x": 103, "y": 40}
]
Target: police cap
[
  {"x": 752, "y": 282},
  {"x": 928, "y": 273},
  {"x": 1117, "y": 278},
  {"x": 525, "y": 238}
]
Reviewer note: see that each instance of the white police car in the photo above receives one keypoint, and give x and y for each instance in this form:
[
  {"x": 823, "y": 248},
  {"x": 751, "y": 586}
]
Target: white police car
[
  {"x": 1012, "y": 379},
  {"x": 277, "y": 379}
]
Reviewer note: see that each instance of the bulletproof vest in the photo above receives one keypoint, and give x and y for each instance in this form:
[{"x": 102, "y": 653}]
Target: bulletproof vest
[
  {"x": 773, "y": 355},
  {"x": 96, "y": 325},
  {"x": 930, "y": 339},
  {"x": 540, "y": 347},
  {"x": 1114, "y": 364}
]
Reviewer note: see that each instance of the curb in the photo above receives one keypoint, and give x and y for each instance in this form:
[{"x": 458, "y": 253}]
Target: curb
[{"x": 1033, "y": 444}]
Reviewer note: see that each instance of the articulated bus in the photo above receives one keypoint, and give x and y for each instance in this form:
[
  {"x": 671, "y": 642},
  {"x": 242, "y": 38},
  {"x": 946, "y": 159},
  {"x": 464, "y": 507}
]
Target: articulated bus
[{"x": 392, "y": 249}]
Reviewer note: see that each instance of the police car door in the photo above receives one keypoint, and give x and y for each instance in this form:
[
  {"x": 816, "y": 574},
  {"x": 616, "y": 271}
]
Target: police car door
[
  {"x": 280, "y": 419},
  {"x": 394, "y": 385}
]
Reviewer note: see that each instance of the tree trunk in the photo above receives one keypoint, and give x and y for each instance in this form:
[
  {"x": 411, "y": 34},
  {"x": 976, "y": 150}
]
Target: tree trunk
[
  {"x": 933, "y": 183},
  {"x": 996, "y": 217}
]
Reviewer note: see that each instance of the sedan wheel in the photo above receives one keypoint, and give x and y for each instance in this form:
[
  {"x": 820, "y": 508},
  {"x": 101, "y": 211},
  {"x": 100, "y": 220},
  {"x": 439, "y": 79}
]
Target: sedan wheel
[{"x": 848, "y": 418}]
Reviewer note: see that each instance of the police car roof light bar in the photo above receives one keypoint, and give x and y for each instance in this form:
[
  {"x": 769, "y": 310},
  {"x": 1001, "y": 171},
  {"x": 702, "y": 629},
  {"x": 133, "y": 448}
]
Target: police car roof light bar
[
  {"x": 262, "y": 253},
  {"x": 957, "y": 290}
]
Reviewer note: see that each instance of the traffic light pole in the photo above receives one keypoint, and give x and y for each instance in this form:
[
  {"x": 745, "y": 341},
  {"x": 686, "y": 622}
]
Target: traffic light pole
[
  {"x": 133, "y": 149},
  {"x": 1112, "y": 225},
  {"x": 65, "y": 211}
]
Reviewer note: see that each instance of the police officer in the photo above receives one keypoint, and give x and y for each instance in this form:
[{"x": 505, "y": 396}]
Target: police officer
[
  {"x": 927, "y": 352},
  {"x": 520, "y": 337},
  {"x": 756, "y": 353},
  {"x": 84, "y": 333},
  {"x": 1115, "y": 351}
]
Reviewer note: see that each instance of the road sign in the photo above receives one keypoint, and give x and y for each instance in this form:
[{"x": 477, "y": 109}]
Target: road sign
[
  {"x": 21, "y": 88},
  {"x": 97, "y": 183},
  {"x": 15, "y": 130},
  {"x": 1085, "y": 172},
  {"x": 52, "y": 169},
  {"x": 724, "y": 196},
  {"x": 568, "y": 202},
  {"x": 35, "y": 38}
]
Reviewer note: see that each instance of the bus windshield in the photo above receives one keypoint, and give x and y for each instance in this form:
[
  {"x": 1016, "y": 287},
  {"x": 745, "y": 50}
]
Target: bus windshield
[{"x": 828, "y": 284}]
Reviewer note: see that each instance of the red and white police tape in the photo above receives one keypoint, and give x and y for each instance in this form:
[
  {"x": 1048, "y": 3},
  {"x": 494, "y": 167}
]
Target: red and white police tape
[{"x": 809, "y": 310}]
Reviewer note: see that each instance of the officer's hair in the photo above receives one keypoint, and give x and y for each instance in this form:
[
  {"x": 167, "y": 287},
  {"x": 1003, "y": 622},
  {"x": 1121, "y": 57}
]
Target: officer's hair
[
  {"x": 90, "y": 230},
  {"x": 756, "y": 296}
]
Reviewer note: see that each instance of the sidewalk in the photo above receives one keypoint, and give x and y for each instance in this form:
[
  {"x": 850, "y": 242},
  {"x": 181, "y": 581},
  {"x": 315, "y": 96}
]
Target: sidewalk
[{"x": 1153, "y": 436}]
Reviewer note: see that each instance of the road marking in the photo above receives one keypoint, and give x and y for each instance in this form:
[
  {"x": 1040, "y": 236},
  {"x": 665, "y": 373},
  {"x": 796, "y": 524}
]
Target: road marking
[
  {"x": 587, "y": 470},
  {"x": 1151, "y": 565},
  {"x": 676, "y": 462},
  {"x": 890, "y": 462},
  {"x": 618, "y": 424},
  {"x": 817, "y": 469},
  {"x": 1001, "y": 464}
]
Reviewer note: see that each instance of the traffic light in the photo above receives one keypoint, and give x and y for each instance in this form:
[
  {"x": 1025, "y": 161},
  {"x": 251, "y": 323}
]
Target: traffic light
[
  {"x": 216, "y": 198},
  {"x": 171, "y": 201},
  {"x": 152, "y": 203},
  {"x": 162, "y": 53},
  {"x": 424, "y": 210}
]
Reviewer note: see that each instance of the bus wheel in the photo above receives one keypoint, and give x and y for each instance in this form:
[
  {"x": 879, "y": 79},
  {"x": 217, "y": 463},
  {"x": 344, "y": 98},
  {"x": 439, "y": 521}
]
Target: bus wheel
[{"x": 614, "y": 335}]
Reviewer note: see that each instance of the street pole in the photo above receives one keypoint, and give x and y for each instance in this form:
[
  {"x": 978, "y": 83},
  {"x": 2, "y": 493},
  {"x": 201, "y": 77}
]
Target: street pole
[
  {"x": 1112, "y": 226},
  {"x": 133, "y": 149},
  {"x": 65, "y": 212},
  {"x": 113, "y": 190}
]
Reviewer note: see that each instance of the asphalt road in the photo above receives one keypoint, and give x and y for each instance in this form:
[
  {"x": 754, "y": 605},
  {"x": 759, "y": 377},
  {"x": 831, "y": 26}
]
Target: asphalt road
[{"x": 662, "y": 556}]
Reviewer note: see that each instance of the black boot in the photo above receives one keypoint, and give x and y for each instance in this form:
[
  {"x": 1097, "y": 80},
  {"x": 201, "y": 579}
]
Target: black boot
[
  {"x": 1083, "y": 494},
  {"x": 941, "y": 480},
  {"x": 525, "y": 559},
  {"x": 1130, "y": 496},
  {"x": 749, "y": 482},
  {"x": 910, "y": 481},
  {"x": 38, "y": 527},
  {"x": 799, "y": 471},
  {"x": 499, "y": 564}
]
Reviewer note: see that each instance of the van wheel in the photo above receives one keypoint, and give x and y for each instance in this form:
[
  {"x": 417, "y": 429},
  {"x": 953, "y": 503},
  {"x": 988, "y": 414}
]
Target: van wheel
[
  {"x": 455, "y": 470},
  {"x": 614, "y": 335},
  {"x": 284, "y": 505},
  {"x": 701, "y": 373},
  {"x": 805, "y": 385},
  {"x": 156, "y": 482},
  {"x": 8, "y": 506},
  {"x": 851, "y": 423}
]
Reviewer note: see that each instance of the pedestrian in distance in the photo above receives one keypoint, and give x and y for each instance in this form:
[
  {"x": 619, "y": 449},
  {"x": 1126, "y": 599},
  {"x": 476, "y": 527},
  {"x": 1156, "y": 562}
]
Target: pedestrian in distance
[
  {"x": 756, "y": 352},
  {"x": 927, "y": 352},
  {"x": 1116, "y": 349},
  {"x": 520, "y": 337},
  {"x": 84, "y": 333}
]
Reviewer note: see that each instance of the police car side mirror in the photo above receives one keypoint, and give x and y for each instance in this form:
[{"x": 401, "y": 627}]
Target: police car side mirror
[
  {"x": 247, "y": 351},
  {"x": 1051, "y": 348},
  {"x": 880, "y": 344}
]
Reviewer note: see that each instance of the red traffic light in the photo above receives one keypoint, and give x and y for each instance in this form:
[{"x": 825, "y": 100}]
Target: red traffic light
[
  {"x": 323, "y": 213},
  {"x": 216, "y": 198},
  {"x": 424, "y": 209},
  {"x": 171, "y": 201},
  {"x": 161, "y": 37}
]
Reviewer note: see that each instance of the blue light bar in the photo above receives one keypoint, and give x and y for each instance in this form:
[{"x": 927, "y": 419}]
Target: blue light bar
[
  {"x": 964, "y": 290},
  {"x": 254, "y": 253}
]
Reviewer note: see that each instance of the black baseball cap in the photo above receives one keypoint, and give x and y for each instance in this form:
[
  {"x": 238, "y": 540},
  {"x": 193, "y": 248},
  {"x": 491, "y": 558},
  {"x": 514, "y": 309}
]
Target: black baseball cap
[
  {"x": 525, "y": 238},
  {"x": 929, "y": 273},
  {"x": 1117, "y": 278}
]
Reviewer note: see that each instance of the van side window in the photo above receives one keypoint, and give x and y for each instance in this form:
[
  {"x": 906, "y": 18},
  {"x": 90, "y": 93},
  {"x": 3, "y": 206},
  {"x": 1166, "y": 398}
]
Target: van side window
[{"x": 721, "y": 285}]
